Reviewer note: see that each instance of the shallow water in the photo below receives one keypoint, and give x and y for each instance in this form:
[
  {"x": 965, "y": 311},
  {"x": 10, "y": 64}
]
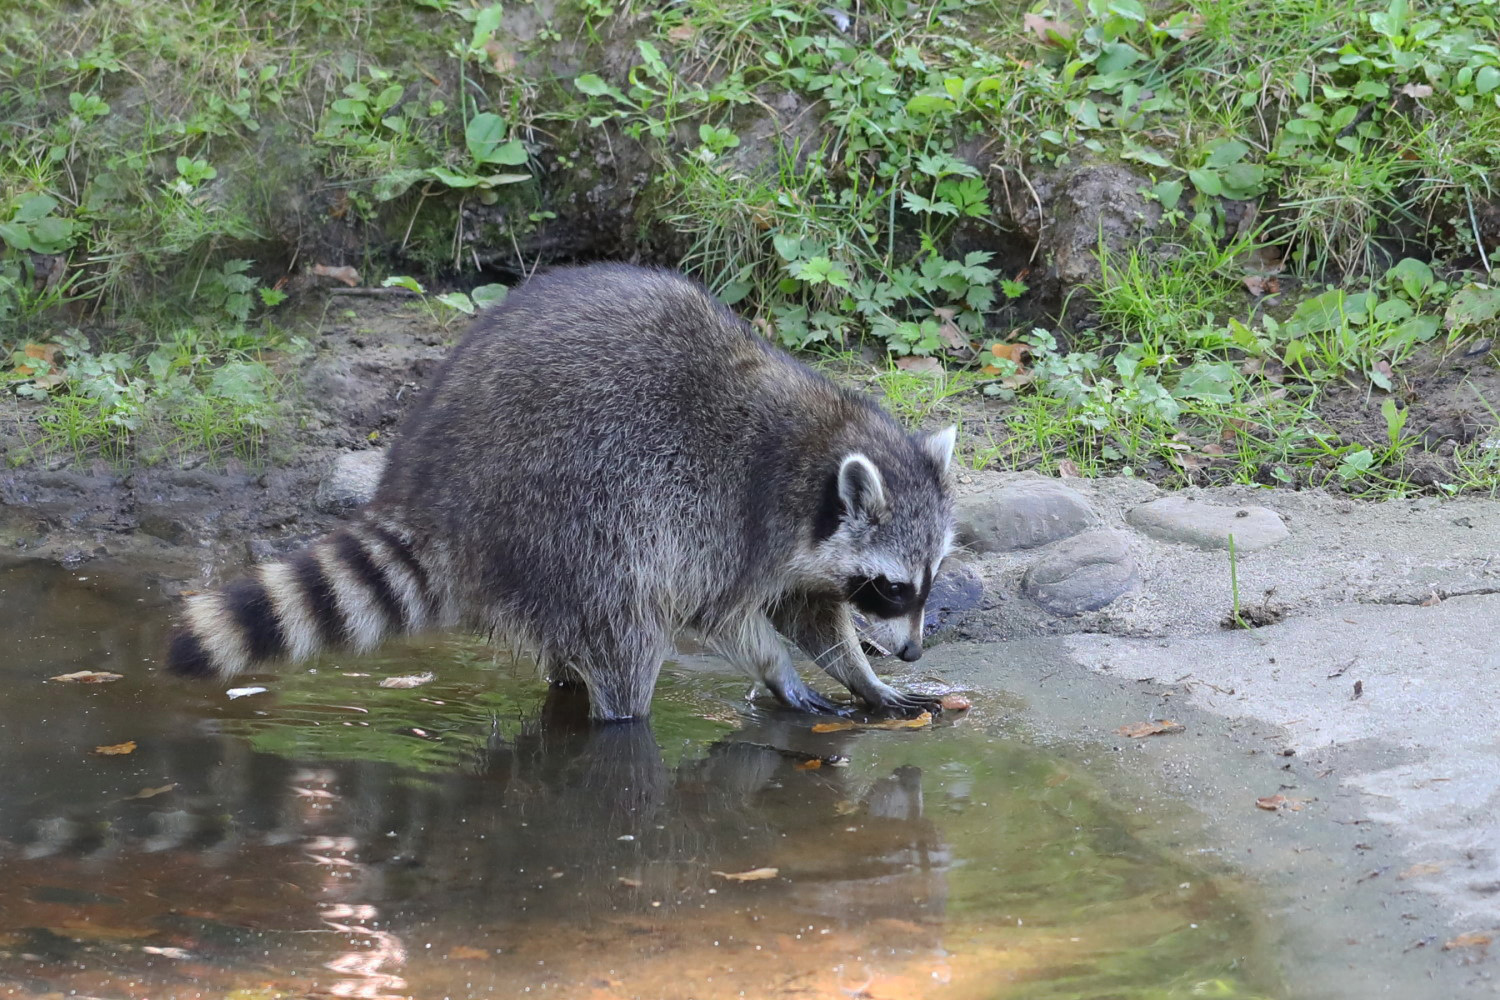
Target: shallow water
[{"x": 474, "y": 837}]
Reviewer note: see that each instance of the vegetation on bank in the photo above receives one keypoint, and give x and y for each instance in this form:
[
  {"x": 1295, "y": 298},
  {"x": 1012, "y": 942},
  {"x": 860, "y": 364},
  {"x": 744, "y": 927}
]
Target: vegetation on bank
[{"x": 1314, "y": 182}]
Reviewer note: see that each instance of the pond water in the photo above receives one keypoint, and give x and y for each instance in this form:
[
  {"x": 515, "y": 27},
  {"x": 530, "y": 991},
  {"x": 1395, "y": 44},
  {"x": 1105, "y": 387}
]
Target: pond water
[{"x": 474, "y": 837}]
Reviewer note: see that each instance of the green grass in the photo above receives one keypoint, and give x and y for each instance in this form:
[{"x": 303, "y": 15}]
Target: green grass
[{"x": 165, "y": 167}]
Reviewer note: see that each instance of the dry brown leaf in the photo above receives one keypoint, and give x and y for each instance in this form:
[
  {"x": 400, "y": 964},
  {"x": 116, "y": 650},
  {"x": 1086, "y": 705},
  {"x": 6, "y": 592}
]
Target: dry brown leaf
[
  {"x": 1068, "y": 469},
  {"x": 953, "y": 703},
  {"x": 753, "y": 875},
  {"x": 1056, "y": 778},
  {"x": 922, "y": 720},
  {"x": 1261, "y": 285},
  {"x": 1047, "y": 31},
  {"x": 812, "y": 764},
  {"x": 151, "y": 793},
  {"x": 1272, "y": 803},
  {"x": 922, "y": 366},
  {"x": 633, "y": 883},
  {"x": 409, "y": 681},
  {"x": 346, "y": 274},
  {"x": 87, "y": 677},
  {"x": 952, "y": 335},
  {"x": 1016, "y": 353},
  {"x": 1416, "y": 90},
  {"x": 464, "y": 953},
  {"x": 1422, "y": 868},
  {"x": 116, "y": 749},
  {"x": 1469, "y": 939},
  {"x": 1138, "y": 730},
  {"x": 833, "y": 727},
  {"x": 500, "y": 57},
  {"x": 684, "y": 32},
  {"x": 41, "y": 352}
]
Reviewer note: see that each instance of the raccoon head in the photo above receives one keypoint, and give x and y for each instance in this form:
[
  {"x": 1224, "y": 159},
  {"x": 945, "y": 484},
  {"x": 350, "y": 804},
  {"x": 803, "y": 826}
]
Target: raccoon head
[{"x": 895, "y": 526}]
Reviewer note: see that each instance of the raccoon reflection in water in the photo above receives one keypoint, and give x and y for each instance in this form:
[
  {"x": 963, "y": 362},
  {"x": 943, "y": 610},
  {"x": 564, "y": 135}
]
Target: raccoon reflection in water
[{"x": 701, "y": 479}]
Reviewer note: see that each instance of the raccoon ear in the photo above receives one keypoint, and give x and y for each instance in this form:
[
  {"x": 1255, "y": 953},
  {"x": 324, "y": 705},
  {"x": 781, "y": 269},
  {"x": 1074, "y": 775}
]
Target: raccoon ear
[
  {"x": 939, "y": 445},
  {"x": 860, "y": 487}
]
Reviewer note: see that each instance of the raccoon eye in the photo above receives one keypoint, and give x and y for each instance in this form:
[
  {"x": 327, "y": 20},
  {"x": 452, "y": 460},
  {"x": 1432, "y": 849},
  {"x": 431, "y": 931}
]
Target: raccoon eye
[{"x": 896, "y": 593}]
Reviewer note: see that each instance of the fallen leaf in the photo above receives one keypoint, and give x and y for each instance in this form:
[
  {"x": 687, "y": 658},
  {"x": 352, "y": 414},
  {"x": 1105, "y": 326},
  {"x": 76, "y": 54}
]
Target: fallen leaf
[
  {"x": 952, "y": 335},
  {"x": 1138, "y": 730},
  {"x": 1068, "y": 469},
  {"x": 753, "y": 875},
  {"x": 921, "y": 366},
  {"x": 1056, "y": 778},
  {"x": 177, "y": 953},
  {"x": 1047, "y": 31},
  {"x": 633, "y": 883},
  {"x": 1015, "y": 353},
  {"x": 409, "y": 681},
  {"x": 832, "y": 727},
  {"x": 1469, "y": 939},
  {"x": 810, "y": 765},
  {"x": 245, "y": 692},
  {"x": 48, "y": 353},
  {"x": 922, "y": 720},
  {"x": 87, "y": 677},
  {"x": 953, "y": 703},
  {"x": 116, "y": 749},
  {"x": 1261, "y": 285},
  {"x": 464, "y": 952},
  {"x": 500, "y": 57},
  {"x": 151, "y": 793},
  {"x": 1431, "y": 602},
  {"x": 1416, "y": 90},
  {"x": 1422, "y": 868},
  {"x": 346, "y": 274},
  {"x": 1271, "y": 803},
  {"x": 683, "y": 32}
]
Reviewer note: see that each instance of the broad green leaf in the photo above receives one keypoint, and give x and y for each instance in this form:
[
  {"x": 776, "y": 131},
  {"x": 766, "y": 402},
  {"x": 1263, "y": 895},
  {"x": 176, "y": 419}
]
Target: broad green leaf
[{"x": 34, "y": 208}]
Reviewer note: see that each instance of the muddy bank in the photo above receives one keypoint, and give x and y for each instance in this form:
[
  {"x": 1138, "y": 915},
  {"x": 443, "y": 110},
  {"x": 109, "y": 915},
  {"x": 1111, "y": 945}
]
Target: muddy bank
[{"x": 196, "y": 520}]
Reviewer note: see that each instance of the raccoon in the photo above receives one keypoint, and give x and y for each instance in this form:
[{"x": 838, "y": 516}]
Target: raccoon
[{"x": 608, "y": 458}]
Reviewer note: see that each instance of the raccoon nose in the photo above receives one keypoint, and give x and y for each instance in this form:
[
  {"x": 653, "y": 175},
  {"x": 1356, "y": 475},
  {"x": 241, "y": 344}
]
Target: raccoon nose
[{"x": 910, "y": 651}]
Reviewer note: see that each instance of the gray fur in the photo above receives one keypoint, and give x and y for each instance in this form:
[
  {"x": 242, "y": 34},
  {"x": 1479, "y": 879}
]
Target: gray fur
[{"x": 611, "y": 457}]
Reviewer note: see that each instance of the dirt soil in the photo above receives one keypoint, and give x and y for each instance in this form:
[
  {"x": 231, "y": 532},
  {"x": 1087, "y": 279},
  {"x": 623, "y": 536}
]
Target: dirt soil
[{"x": 200, "y": 519}]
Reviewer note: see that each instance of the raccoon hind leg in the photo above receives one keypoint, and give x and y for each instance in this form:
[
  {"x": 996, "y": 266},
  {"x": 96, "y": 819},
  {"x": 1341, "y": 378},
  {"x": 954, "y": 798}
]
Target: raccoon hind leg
[{"x": 619, "y": 668}]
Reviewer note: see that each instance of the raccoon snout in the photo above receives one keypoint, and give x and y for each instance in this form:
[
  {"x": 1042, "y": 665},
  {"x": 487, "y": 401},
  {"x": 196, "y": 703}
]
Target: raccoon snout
[{"x": 910, "y": 651}]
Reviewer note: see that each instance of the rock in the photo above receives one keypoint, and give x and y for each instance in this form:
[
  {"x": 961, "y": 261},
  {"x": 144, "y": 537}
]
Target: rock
[
  {"x": 1083, "y": 573},
  {"x": 351, "y": 481},
  {"x": 958, "y": 588},
  {"x": 1022, "y": 516},
  {"x": 1208, "y": 526}
]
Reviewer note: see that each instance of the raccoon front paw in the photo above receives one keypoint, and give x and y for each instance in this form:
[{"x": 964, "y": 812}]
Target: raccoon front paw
[
  {"x": 805, "y": 699},
  {"x": 893, "y": 704}
]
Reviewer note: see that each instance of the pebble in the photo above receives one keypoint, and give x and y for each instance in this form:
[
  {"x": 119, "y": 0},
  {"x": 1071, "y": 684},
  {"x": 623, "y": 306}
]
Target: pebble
[
  {"x": 1022, "y": 516},
  {"x": 1208, "y": 526},
  {"x": 1082, "y": 573},
  {"x": 350, "y": 482}
]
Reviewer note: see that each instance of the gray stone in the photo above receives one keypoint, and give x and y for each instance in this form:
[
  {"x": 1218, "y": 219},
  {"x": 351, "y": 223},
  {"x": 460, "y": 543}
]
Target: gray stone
[
  {"x": 1022, "y": 516},
  {"x": 1208, "y": 526},
  {"x": 957, "y": 589},
  {"x": 1083, "y": 573},
  {"x": 350, "y": 482}
]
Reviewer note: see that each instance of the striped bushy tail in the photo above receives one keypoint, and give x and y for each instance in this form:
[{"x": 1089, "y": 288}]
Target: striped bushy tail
[{"x": 348, "y": 590}]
